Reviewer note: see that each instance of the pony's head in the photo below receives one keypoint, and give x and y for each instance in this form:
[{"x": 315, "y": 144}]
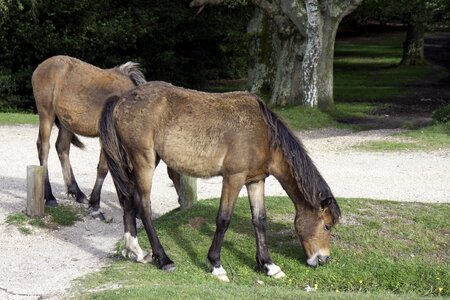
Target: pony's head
[{"x": 313, "y": 227}]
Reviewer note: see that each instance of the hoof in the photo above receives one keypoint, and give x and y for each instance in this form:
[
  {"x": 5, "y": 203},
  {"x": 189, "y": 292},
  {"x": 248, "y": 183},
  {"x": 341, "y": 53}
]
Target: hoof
[
  {"x": 168, "y": 267},
  {"x": 274, "y": 271},
  {"x": 51, "y": 203},
  {"x": 221, "y": 274},
  {"x": 98, "y": 214},
  {"x": 81, "y": 199}
]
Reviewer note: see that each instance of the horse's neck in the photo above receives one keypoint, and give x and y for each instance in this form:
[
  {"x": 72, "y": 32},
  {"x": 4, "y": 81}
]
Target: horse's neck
[{"x": 281, "y": 170}]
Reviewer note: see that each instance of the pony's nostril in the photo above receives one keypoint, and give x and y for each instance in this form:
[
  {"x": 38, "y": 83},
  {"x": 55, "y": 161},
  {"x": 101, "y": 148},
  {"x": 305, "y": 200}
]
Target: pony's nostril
[
  {"x": 323, "y": 259},
  {"x": 312, "y": 262}
]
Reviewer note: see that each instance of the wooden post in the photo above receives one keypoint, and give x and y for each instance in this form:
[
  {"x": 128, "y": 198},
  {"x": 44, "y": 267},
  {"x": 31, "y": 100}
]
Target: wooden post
[
  {"x": 35, "y": 191},
  {"x": 188, "y": 191}
]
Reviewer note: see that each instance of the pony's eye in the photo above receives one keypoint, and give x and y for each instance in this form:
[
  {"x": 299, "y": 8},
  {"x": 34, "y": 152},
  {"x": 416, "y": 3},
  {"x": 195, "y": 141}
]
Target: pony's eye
[{"x": 327, "y": 227}]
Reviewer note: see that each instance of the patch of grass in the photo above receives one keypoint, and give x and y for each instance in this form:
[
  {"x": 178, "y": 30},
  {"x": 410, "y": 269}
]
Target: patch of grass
[
  {"x": 23, "y": 222},
  {"x": 63, "y": 215},
  {"x": 433, "y": 137},
  {"x": 369, "y": 70},
  {"x": 18, "y": 118},
  {"x": 299, "y": 117},
  {"x": 381, "y": 249}
]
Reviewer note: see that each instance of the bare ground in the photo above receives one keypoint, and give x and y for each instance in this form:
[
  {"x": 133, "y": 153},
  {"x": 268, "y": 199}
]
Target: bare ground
[{"x": 45, "y": 263}]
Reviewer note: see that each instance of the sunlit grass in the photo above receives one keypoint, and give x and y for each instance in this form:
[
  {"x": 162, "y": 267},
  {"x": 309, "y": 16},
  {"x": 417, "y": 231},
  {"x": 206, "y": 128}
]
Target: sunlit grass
[
  {"x": 435, "y": 137},
  {"x": 380, "y": 249},
  {"x": 18, "y": 118},
  {"x": 63, "y": 215}
]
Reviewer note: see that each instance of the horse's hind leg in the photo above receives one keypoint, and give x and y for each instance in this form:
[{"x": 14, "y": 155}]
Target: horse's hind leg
[
  {"x": 230, "y": 190},
  {"x": 43, "y": 147},
  {"x": 256, "y": 198},
  {"x": 94, "y": 199},
  {"x": 144, "y": 166},
  {"x": 131, "y": 247},
  {"x": 63, "y": 148}
]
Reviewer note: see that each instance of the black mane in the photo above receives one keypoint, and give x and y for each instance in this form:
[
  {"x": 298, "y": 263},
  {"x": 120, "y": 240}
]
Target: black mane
[{"x": 309, "y": 181}]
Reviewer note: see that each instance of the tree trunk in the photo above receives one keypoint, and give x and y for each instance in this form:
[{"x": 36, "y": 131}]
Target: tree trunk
[
  {"x": 312, "y": 53},
  {"x": 414, "y": 43},
  {"x": 275, "y": 68},
  {"x": 325, "y": 74}
]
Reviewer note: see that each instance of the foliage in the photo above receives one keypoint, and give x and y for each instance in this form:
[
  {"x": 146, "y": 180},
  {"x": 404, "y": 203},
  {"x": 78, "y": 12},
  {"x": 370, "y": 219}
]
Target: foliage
[
  {"x": 380, "y": 248},
  {"x": 166, "y": 37},
  {"x": 437, "y": 13},
  {"x": 442, "y": 115},
  {"x": 64, "y": 215}
]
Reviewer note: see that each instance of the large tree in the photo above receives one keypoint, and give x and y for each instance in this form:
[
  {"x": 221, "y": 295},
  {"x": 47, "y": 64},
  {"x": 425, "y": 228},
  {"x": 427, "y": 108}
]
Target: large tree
[{"x": 292, "y": 54}]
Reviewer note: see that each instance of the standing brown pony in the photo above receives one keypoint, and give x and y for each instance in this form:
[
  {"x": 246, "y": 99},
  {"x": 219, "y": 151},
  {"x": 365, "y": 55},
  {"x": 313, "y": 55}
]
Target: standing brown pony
[
  {"x": 233, "y": 135},
  {"x": 72, "y": 93}
]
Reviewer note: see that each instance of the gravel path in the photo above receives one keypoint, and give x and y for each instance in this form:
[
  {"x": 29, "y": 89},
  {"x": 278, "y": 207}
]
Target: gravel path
[{"x": 44, "y": 264}]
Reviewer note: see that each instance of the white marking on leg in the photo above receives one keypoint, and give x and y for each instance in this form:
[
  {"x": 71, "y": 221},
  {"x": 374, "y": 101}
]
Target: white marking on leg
[
  {"x": 132, "y": 247},
  {"x": 274, "y": 271},
  {"x": 220, "y": 273}
]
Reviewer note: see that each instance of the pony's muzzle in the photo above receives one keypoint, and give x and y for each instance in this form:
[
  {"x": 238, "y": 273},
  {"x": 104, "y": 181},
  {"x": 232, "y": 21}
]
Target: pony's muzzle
[{"x": 317, "y": 260}]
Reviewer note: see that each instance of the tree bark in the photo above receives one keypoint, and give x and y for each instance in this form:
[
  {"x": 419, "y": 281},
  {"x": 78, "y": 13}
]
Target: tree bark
[
  {"x": 414, "y": 44},
  {"x": 276, "y": 58},
  {"x": 278, "y": 49},
  {"x": 325, "y": 71},
  {"x": 312, "y": 53}
]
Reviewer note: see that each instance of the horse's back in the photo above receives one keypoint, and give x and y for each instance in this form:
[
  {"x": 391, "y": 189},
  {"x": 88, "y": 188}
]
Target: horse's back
[
  {"x": 75, "y": 91},
  {"x": 198, "y": 133}
]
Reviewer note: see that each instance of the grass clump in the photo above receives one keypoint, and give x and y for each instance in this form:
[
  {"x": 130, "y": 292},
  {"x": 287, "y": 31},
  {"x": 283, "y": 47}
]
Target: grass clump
[
  {"x": 380, "y": 249},
  {"x": 63, "y": 215}
]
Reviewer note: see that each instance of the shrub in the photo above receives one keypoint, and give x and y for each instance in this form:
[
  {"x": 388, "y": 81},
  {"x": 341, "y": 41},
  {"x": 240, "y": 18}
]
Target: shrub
[{"x": 442, "y": 115}]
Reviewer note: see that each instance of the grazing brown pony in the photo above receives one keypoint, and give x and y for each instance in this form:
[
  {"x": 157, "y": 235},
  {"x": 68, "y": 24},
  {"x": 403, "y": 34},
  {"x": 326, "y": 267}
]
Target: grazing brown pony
[
  {"x": 72, "y": 93},
  {"x": 233, "y": 135}
]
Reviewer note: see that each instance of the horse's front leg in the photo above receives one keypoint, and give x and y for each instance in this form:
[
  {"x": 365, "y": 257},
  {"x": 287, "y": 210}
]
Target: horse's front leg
[
  {"x": 230, "y": 190},
  {"x": 256, "y": 198},
  {"x": 46, "y": 119}
]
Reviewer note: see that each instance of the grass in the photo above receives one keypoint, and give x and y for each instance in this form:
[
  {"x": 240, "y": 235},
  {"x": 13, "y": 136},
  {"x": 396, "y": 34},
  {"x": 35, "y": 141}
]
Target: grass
[
  {"x": 368, "y": 70},
  {"x": 18, "y": 118},
  {"x": 435, "y": 137},
  {"x": 381, "y": 249},
  {"x": 63, "y": 215}
]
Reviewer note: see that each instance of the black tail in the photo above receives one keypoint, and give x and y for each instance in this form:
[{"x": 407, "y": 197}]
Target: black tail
[
  {"x": 116, "y": 157},
  {"x": 75, "y": 141}
]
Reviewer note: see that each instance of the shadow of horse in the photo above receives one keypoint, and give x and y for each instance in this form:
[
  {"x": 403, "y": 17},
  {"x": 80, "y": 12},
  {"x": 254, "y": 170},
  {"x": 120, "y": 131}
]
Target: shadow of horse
[{"x": 282, "y": 239}]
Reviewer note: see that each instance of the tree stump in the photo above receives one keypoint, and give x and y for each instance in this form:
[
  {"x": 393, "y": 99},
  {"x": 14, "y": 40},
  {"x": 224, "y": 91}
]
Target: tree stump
[
  {"x": 35, "y": 191},
  {"x": 188, "y": 192}
]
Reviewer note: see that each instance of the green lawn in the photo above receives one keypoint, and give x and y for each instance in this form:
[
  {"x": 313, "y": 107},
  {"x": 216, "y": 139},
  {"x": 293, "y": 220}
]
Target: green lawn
[
  {"x": 18, "y": 118},
  {"x": 367, "y": 69},
  {"x": 435, "y": 137},
  {"x": 381, "y": 249}
]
